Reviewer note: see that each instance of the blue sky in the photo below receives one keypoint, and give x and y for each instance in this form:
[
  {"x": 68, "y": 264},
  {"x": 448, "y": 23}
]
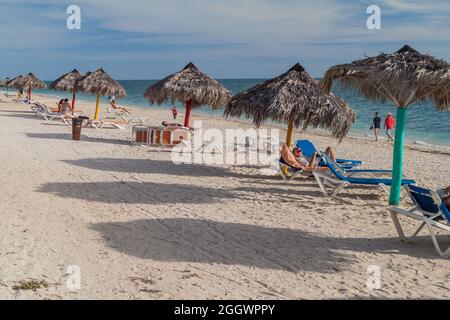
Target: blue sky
[{"x": 148, "y": 39}]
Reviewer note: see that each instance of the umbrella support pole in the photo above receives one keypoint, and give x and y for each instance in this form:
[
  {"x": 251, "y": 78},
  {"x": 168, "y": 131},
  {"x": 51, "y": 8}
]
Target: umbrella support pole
[
  {"x": 29, "y": 94},
  {"x": 397, "y": 174},
  {"x": 97, "y": 102},
  {"x": 73, "y": 101},
  {"x": 289, "y": 139},
  {"x": 187, "y": 117},
  {"x": 289, "y": 133}
]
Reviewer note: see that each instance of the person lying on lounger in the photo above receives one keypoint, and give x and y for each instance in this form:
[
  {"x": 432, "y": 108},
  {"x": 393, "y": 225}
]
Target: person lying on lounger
[
  {"x": 300, "y": 162},
  {"x": 445, "y": 196},
  {"x": 167, "y": 124},
  {"x": 298, "y": 153},
  {"x": 115, "y": 106}
]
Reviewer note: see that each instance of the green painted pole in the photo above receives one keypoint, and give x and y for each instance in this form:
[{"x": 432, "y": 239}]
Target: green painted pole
[{"x": 397, "y": 174}]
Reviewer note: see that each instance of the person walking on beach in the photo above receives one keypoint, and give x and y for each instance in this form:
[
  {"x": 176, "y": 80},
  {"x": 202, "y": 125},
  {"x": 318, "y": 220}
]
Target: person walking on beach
[
  {"x": 174, "y": 113},
  {"x": 376, "y": 125},
  {"x": 389, "y": 125}
]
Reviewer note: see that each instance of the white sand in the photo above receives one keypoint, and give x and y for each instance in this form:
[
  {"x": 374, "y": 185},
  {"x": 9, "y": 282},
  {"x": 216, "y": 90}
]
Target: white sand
[{"x": 140, "y": 227}]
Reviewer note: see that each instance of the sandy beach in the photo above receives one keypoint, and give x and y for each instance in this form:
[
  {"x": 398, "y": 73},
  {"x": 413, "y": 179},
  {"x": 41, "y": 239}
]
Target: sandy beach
[{"x": 140, "y": 227}]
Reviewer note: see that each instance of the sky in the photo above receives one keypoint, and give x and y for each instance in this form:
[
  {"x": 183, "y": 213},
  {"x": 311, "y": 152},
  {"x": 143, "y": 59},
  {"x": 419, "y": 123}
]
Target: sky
[{"x": 149, "y": 39}]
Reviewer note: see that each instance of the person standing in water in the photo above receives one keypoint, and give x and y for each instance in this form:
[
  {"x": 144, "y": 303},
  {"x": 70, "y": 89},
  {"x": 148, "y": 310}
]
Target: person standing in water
[
  {"x": 174, "y": 113},
  {"x": 389, "y": 125},
  {"x": 376, "y": 125}
]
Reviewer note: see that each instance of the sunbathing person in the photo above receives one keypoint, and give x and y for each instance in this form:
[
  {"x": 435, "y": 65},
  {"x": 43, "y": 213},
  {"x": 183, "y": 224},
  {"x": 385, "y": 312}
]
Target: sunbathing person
[
  {"x": 167, "y": 124},
  {"x": 314, "y": 161},
  {"x": 115, "y": 106},
  {"x": 445, "y": 196},
  {"x": 66, "y": 107},
  {"x": 60, "y": 105},
  {"x": 301, "y": 158},
  {"x": 290, "y": 159}
]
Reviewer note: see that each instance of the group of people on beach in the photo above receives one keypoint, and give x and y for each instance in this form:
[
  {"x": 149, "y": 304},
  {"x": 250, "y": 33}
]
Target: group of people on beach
[
  {"x": 389, "y": 125},
  {"x": 64, "y": 107}
]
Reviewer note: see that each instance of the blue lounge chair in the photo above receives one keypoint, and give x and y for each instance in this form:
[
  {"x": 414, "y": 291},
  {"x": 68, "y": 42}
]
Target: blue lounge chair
[
  {"x": 309, "y": 149},
  {"x": 344, "y": 168},
  {"x": 430, "y": 210},
  {"x": 351, "y": 178}
]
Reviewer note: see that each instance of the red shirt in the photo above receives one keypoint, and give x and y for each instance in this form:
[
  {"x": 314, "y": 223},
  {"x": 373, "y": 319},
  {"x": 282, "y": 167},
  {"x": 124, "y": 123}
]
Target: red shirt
[{"x": 389, "y": 122}]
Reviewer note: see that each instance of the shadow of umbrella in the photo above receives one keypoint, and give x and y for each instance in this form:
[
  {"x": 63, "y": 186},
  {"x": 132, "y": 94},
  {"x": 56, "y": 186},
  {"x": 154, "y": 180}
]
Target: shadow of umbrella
[
  {"x": 136, "y": 192},
  {"x": 207, "y": 241}
]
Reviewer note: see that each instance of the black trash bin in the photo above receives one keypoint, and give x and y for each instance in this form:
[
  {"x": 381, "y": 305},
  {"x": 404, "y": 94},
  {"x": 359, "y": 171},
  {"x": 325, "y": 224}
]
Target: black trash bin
[{"x": 77, "y": 123}]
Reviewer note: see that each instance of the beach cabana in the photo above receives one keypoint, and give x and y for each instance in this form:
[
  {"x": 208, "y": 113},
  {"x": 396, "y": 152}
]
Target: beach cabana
[
  {"x": 294, "y": 98},
  {"x": 100, "y": 83},
  {"x": 403, "y": 78},
  {"x": 30, "y": 82},
  {"x": 190, "y": 86},
  {"x": 67, "y": 82}
]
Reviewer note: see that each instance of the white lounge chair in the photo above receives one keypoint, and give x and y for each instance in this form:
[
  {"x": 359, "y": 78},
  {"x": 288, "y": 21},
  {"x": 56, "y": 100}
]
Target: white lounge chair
[
  {"x": 429, "y": 210},
  {"x": 99, "y": 124},
  {"x": 125, "y": 116}
]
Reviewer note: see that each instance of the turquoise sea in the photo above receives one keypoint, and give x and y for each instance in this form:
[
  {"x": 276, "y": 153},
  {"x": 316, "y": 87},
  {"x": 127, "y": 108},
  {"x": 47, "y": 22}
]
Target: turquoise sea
[{"x": 425, "y": 124}]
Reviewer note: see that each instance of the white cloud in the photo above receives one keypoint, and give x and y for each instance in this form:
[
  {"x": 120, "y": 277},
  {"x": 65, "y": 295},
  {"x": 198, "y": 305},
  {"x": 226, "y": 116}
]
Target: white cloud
[{"x": 224, "y": 33}]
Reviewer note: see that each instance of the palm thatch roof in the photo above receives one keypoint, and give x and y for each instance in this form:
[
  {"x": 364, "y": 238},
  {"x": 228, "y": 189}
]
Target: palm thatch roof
[
  {"x": 293, "y": 96},
  {"x": 67, "y": 82},
  {"x": 30, "y": 81},
  {"x": 3, "y": 83},
  {"x": 404, "y": 77},
  {"x": 14, "y": 83},
  {"x": 101, "y": 83},
  {"x": 189, "y": 83}
]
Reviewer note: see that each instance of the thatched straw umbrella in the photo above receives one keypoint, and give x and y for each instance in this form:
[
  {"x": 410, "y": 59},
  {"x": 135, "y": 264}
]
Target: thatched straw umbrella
[
  {"x": 4, "y": 84},
  {"x": 402, "y": 77},
  {"x": 31, "y": 82},
  {"x": 190, "y": 86},
  {"x": 294, "y": 98},
  {"x": 100, "y": 84},
  {"x": 67, "y": 82},
  {"x": 14, "y": 83}
]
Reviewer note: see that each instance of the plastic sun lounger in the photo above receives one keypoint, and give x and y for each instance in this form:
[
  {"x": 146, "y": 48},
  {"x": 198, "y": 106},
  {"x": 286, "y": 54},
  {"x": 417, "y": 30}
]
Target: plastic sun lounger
[
  {"x": 43, "y": 111},
  {"x": 289, "y": 173},
  {"x": 430, "y": 210},
  {"x": 309, "y": 149},
  {"x": 351, "y": 179},
  {"x": 306, "y": 144},
  {"x": 372, "y": 172},
  {"x": 125, "y": 116},
  {"x": 99, "y": 124}
]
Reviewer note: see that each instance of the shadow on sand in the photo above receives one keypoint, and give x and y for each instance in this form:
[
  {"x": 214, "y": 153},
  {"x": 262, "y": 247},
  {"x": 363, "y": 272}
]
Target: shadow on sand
[
  {"x": 165, "y": 167},
  {"x": 136, "y": 192},
  {"x": 148, "y": 166},
  {"x": 68, "y": 136},
  {"x": 207, "y": 241}
]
